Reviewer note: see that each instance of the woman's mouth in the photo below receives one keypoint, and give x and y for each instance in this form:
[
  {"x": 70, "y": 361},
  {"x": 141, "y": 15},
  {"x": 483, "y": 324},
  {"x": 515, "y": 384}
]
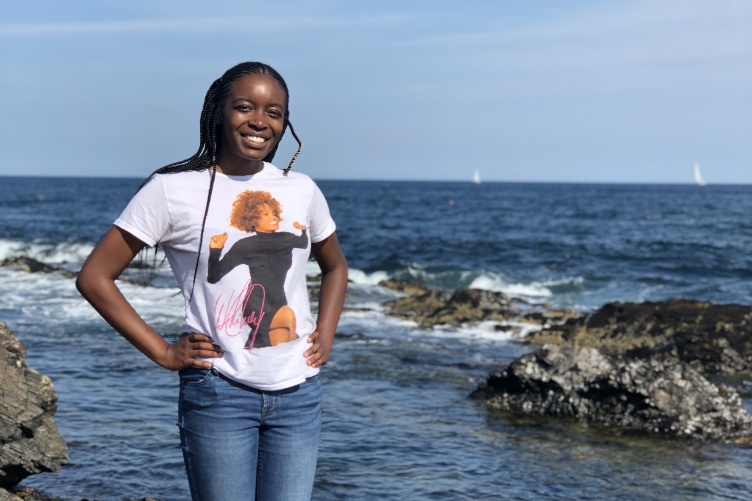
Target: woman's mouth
[{"x": 254, "y": 139}]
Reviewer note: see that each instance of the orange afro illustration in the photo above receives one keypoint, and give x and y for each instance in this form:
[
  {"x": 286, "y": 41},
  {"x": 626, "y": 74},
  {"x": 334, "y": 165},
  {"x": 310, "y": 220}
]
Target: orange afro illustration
[{"x": 245, "y": 209}]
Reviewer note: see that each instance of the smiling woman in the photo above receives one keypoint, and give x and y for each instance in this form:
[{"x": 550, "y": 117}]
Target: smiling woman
[
  {"x": 250, "y": 398},
  {"x": 253, "y": 120}
]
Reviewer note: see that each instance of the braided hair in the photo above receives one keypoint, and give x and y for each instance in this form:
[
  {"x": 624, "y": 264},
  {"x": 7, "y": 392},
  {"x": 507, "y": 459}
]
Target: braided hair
[{"x": 209, "y": 130}]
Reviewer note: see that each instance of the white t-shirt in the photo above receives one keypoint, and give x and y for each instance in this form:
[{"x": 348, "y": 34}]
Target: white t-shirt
[{"x": 250, "y": 294}]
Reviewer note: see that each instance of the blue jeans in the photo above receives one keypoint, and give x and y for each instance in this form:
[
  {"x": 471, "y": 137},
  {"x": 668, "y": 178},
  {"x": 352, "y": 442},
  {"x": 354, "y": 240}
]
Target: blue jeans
[{"x": 244, "y": 444}]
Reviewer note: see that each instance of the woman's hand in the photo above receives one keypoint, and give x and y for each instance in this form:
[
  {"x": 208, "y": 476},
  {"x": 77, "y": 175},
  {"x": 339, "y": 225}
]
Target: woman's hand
[
  {"x": 331, "y": 298},
  {"x": 299, "y": 226},
  {"x": 218, "y": 241},
  {"x": 185, "y": 352},
  {"x": 318, "y": 354}
]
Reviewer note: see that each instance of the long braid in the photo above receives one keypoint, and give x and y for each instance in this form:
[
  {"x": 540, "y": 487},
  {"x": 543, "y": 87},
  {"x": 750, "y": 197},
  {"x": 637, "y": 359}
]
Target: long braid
[
  {"x": 203, "y": 224},
  {"x": 300, "y": 147},
  {"x": 209, "y": 130}
]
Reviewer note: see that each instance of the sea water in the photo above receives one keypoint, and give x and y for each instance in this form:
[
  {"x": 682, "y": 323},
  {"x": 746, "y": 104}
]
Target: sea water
[{"x": 398, "y": 423}]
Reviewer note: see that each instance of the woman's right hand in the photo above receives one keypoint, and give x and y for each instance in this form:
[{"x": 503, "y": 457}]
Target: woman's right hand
[
  {"x": 188, "y": 349},
  {"x": 218, "y": 241}
]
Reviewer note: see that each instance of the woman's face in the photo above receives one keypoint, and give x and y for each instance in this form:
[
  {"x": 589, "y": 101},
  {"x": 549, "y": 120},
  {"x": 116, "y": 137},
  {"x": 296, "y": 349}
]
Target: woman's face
[
  {"x": 266, "y": 221},
  {"x": 252, "y": 118}
]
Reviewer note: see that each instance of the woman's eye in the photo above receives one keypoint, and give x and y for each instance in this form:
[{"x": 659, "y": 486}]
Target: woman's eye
[
  {"x": 275, "y": 114},
  {"x": 243, "y": 108}
]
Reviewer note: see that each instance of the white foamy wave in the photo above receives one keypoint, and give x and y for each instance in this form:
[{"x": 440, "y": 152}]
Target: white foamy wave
[
  {"x": 358, "y": 277},
  {"x": 372, "y": 322},
  {"x": 484, "y": 331},
  {"x": 63, "y": 252},
  {"x": 361, "y": 277},
  {"x": 497, "y": 283},
  {"x": 534, "y": 291},
  {"x": 417, "y": 271},
  {"x": 54, "y": 300},
  {"x": 312, "y": 269}
]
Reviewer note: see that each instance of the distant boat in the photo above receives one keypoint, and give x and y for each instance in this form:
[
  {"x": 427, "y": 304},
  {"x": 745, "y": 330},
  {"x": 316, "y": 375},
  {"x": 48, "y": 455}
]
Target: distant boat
[
  {"x": 476, "y": 177},
  {"x": 699, "y": 181}
]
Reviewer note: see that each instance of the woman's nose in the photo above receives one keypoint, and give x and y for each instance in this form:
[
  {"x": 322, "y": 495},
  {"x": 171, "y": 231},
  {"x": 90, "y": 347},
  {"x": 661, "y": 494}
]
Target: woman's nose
[{"x": 256, "y": 120}]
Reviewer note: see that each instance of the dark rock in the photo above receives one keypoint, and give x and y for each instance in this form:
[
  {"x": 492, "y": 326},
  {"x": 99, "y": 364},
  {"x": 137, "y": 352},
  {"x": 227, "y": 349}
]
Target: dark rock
[
  {"x": 473, "y": 305},
  {"x": 409, "y": 288},
  {"x": 662, "y": 396},
  {"x": 436, "y": 307},
  {"x": 29, "y": 439},
  {"x": 29, "y": 265},
  {"x": 28, "y": 494},
  {"x": 547, "y": 317},
  {"x": 418, "y": 308},
  {"x": 710, "y": 337}
]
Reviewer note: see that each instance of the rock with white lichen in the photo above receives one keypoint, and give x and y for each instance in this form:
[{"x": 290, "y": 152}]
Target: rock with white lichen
[
  {"x": 711, "y": 338},
  {"x": 657, "y": 395}
]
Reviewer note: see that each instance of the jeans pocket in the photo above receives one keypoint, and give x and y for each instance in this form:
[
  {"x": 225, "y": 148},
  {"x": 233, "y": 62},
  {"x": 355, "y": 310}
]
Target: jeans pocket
[{"x": 195, "y": 376}]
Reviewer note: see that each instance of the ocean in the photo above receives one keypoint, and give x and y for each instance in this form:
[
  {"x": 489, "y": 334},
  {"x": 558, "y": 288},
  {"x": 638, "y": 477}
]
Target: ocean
[{"x": 398, "y": 423}]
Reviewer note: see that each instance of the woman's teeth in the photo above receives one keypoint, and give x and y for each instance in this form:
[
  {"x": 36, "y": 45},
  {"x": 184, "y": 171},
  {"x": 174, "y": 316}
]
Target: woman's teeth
[{"x": 255, "y": 139}]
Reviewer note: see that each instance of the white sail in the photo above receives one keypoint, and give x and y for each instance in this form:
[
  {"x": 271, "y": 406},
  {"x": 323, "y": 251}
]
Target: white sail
[
  {"x": 699, "y": 181},
  {"x": 476, "y": 177}
]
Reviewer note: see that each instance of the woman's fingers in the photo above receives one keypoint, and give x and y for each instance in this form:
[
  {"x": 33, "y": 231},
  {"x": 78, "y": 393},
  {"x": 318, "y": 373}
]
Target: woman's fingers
[
  {"x": 315, "y": 356},
  {"x": 203, "y": 343},
  {"x": 312, "y": 338},
  {"x": 189, "y": 348}
]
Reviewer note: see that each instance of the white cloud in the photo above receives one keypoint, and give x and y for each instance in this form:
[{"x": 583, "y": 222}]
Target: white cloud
[
  {"x": 202, "y": 25},
  {"x": 646, "y": 32}
]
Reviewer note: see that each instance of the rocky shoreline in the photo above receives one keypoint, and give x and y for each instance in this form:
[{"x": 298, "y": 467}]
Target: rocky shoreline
[
  {"x": 29, "y": 439},
  {"x": 30, "y": 442},
  {"x": 649, "y": 368},
  {"x": 644, "y": 367}
]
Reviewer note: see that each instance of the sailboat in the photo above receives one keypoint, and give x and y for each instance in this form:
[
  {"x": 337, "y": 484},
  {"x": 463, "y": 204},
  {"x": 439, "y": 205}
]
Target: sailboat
[
  {"x": 699, "y": 181},
  {"x": 476, "y": 177}
]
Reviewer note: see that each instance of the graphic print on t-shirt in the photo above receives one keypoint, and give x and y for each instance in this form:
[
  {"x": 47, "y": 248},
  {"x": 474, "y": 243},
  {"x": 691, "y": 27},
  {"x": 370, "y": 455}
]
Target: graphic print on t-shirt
[{"x": 261, "y": 304}]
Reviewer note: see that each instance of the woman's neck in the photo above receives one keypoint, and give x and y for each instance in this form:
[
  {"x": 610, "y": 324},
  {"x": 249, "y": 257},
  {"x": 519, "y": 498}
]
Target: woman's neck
[{"x": 244, "y": 169}]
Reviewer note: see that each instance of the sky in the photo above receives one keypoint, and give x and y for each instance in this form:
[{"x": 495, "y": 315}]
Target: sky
[{"x": 610, "y": 91}]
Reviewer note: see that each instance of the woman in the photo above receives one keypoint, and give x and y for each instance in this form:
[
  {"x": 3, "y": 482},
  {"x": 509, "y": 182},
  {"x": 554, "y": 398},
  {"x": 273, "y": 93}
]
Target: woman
[{"x": 249, "y": 414}]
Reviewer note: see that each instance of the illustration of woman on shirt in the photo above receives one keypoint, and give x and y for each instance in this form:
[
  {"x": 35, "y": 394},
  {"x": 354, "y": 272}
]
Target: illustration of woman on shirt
[{"x": 268, "y": 255}]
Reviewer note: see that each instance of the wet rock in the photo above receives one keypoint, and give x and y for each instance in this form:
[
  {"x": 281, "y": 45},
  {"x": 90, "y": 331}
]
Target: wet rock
[
  {"x": 27, "y": 494},
  {"x": 710, "y": 337},
  {"x": 661, "y": 396},
  {"x": 409, "y": 288},
  {"x": 548, "y": 317},
  {"x": 418, "y": 308},
  {"x": 29, "y": 265},
  {"x": 29, "y": 439},
  {"x": 436, "y": 307}
]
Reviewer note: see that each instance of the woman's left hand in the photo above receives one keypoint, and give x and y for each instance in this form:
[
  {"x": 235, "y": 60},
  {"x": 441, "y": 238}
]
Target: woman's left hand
[{"x": 318, "y": 353}]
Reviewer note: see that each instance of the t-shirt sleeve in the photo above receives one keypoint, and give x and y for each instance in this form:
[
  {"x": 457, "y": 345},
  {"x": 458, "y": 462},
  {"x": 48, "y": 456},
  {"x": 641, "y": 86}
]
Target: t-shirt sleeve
[
  {"x": 322, "y": 224},
  {"x": 147, "y": 215}
]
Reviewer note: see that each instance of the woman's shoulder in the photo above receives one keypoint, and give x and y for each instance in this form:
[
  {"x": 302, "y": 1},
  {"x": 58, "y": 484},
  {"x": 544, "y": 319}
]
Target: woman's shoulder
[
  {"x": 179, "y": 180},
  {"x": 296, "y": 178}
]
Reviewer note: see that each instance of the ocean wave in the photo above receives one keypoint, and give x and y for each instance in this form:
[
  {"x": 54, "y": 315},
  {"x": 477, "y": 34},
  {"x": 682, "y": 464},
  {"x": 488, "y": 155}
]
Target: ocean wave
[
  {"x": 54, "y": 300},
  {"x": 535, "y": 291},
  {"x": 541, "y": 290},
  {"x": 362, "y": 278},
  {"x": 63, "y": 252}
]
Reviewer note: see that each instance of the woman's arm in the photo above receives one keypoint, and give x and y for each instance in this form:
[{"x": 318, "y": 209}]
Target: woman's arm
[
  {"x": 96, "y": 282},
  {"x": 331, "y": 298}
]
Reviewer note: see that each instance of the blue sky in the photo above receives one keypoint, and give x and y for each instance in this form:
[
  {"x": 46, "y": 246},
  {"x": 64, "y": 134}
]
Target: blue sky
[{"x": 522, "y": 90}]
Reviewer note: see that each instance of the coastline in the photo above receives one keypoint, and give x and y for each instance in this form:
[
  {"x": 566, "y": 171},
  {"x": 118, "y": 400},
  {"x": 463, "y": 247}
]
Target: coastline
[{"x": 616, "y": 330}]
